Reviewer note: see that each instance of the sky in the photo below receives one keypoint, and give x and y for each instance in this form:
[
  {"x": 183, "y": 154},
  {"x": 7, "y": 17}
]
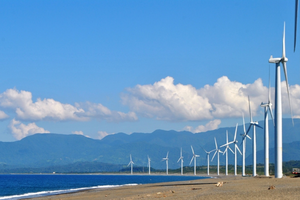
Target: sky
[{"x": 101, "y": 67}]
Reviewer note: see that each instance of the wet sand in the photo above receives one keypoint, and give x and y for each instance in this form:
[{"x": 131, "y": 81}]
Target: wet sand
[{"x": 232, "y": 188}]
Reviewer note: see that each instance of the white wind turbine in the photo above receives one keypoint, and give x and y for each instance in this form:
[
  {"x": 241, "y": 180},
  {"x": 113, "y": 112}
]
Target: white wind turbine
[
  {"x": 235, "y": 142},
  {"x": 194, "y": 158},
  {"x": 131, "y": 164},
  {"x": 226, "y": 151},
  {"x": 267, "y": 108},
  {"x": 149, "y": 160},
  {"x": 166, "y": 159},
  {"x": 181, "y": 158},
  {"x": 207, "y": 157},
  {"x": 244, "y": 136},
  {"x": 217, "y": 150},
  {"x": 253, "y": 124},
  {"x": 278, "y": 107}
]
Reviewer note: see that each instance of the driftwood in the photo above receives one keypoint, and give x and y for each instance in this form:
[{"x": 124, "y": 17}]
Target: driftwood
[
  {"x": 272, "y": 187},
  {"x": 219, "y": 184}
]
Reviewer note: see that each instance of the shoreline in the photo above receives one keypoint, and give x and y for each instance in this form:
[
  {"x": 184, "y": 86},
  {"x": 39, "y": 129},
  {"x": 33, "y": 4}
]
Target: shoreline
[{"x": 233, "y": 187}]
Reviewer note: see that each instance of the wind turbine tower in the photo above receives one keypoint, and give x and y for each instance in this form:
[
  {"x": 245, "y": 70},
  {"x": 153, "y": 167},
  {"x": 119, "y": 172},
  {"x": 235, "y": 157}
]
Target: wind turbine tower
[
  {"x": 131, "y": 164},
  {"x": 194, "y": 157},
  {"x": 244, "y": 136},
  {"x": 217, "y": 150},
  {"x": 226, "y": 151},
  {"x": 253, "y": 124},
  {"x": 278, "y": 107},
  {"x": 166, "y": 159},
  {"x": 149, "y": 160},
  {"x": 181, "y": 158},
  {"x": 207, "y": 157},
  {"x": 267, "y": 108}
]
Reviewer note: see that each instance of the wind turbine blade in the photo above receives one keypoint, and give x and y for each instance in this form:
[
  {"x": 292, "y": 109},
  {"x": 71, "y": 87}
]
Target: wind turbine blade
[
  {"x": 224, "y": 145},
  {"x": 130, "y": 158},
  {"x": 250, "y": 109},
  {"x": 295, "y": 30},
  {"x": 167, "y": 155},
  {"x": 236, "y": 146},
  {"x": 248, "y": 137},
  {"x": 249, "y": 128},
  {"x": 191, "y": 160},
  {"x": 283, "y": 42},
  {"x": 224, "y": 151},
  {"x": 192, "y": 149},
  {"x": 235, "y": 132},
  {"x": 180, "y": 152},
  {"x": 269, "y": 91},
  {"x": 204, "y": 150},
  {"x": 179, "y": 159},
  {"x": 214, "y": 155},
  {"x": 258, "y": 126},
  {"x": 287, "y": 88},
  {"x": 244, "y": 124},
  {"x": 271, "y": 112},
  {"x": 230, "y": 149},
  {"x": 216, "y": 143}
]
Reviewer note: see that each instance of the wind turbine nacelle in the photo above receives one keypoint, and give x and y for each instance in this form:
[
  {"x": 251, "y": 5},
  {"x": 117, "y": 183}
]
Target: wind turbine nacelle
[
  {"x": 274, "y": 60},
  {"x": 263, "y": 104}
]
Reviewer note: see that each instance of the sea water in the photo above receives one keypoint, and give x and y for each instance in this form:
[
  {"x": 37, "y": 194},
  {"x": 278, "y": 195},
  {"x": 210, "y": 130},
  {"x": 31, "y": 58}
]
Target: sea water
[{"x": 28, "y": 186}]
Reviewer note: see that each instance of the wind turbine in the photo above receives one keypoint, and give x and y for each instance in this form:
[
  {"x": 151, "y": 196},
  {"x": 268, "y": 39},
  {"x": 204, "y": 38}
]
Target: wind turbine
[
  {"x": 244, "y": 136},
  {"x": 253, "y": 124},
  {"x": 131, "y": 164},
  {"x": 207, "y": 157},
  {"x": 235, "y": 142},
  {"x": 278, "y": 107},
  {"x": 194, "y": 158},
  {"x": 295, "y": 29},
  {"x": 267, "y": 108},
  {"x": 226, "y": 151},
  {"x": 181, "y": 158},
  {"x": 217, "y": 150},
  {"x": 166, "y": 159},
  {"x": 149, "y": 160}
]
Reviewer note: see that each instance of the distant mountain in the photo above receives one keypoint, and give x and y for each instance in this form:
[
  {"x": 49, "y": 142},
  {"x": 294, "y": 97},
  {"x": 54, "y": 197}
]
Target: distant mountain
[{"x": 46, "y": 150}]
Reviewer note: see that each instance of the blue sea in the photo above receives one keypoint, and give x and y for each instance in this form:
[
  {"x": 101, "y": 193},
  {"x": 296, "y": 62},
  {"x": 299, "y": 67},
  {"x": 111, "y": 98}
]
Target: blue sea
[{"x": 28, "y": 186}]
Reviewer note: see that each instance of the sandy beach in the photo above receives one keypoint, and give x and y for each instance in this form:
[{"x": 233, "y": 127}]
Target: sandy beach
[{"x": 231, "y": 187}]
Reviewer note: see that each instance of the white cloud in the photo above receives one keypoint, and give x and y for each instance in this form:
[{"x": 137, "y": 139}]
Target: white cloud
[
  {"x": 212, "y": 125},
  {"x": 167, "y": 101},
  {"x": 102, "y": 134},
  {"x": 20, "y": 130},
  {"x": 77, "y": 132},
  {"x": 3, "y": 115},
  {"x": 49, "y": 109},
  {"x": 93, "y": 110}
]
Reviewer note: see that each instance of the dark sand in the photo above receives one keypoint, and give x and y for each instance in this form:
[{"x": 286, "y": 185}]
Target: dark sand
[{"x": 233, "y": 188}]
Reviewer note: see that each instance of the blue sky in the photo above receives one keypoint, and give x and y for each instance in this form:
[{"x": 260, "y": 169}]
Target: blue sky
[{"x": 93, "y": 64}]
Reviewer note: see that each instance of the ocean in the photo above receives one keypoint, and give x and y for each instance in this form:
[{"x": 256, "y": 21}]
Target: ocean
[{"x": 28, "y": 186}]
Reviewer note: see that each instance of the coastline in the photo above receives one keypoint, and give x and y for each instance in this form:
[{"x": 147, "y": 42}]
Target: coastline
[{"x": 234, "y": 187}]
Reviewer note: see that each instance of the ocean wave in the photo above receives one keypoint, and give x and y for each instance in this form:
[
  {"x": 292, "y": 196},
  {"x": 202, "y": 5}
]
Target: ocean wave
[{"x": 55, "y": 192}]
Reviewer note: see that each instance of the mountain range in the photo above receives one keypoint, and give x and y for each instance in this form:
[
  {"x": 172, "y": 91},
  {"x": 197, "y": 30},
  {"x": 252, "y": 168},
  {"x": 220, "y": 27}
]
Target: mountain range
[{"x": 46, "y": 150}]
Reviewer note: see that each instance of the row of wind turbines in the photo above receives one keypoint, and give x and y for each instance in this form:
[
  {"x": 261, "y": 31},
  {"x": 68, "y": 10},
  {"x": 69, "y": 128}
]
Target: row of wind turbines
[{"x": 277, "y": 122}]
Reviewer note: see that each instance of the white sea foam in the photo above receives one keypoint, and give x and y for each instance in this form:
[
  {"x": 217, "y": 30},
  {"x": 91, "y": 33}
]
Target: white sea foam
[{"x": 46, "y": 193}]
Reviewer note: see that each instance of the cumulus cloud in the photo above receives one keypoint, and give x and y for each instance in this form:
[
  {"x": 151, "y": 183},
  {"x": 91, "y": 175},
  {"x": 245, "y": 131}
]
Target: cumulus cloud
[
  {"x": 49, "y": 109},
  {"x": 102, "y": 134},
  {"x": 20, "y": 130},
  {"x": 225, "y": 98},
  {"x": 167, "y": 101},
  {"x": 212, "y": 125}
]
